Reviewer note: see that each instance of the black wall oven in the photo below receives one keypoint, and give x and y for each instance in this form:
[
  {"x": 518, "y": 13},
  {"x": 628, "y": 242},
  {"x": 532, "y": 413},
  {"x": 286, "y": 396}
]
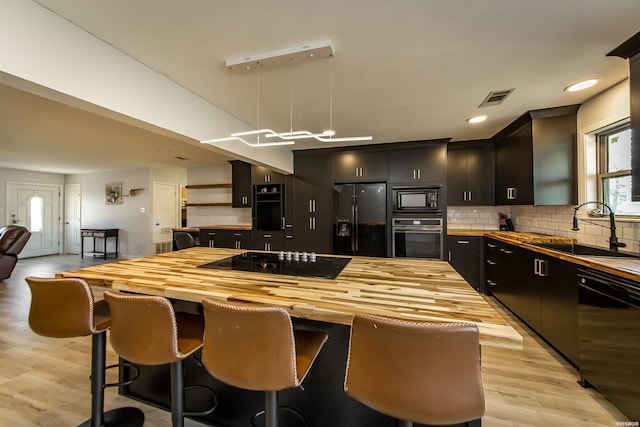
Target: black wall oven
[{"x": 417, "y": 237}]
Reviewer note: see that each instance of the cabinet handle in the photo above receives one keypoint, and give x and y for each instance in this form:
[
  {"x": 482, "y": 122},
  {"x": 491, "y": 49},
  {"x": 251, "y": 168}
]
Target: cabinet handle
[
  {"x": 469, "y": 197},
  {"x": 464, "y": 196},
  {"x": 419, "y": 175},
  {"x": 539, "y": 267},
  {"x": 449, "y": 256},
  {"x": 463, "y": 242},
  {"x": 314, "y": 222},
  {"x": 288, "y": 236},
  {"x": 506, "y": 251},
  {"x": 267, "y": 236},
  {"x": 357, "y": 171},
  {"x": 283, "y": 224},
  {"x": 511, "y": 193},
  {"x": 310, "y": 223},
  {"x": 491, "y": 245},
  {"x": 491, "y": 262},
  {"x": 414, "y": 173},
  {"x": 310, "y": 206},
  {"x": 492, "y": 283},
  {"x": 314, "y": 205}
]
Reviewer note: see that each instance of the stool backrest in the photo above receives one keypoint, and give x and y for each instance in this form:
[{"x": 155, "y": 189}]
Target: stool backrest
[
  {"x": 183, "y": 240},
  {"x": 62, "y": 308},
  {"x": 143, "y": 328},
  {"x": 249, "y": 346},
  {"x": 427, "y": 373}
]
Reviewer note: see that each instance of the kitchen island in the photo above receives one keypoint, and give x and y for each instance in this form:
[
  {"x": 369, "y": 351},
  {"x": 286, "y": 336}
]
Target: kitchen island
[{"x": 401, "y": 288}]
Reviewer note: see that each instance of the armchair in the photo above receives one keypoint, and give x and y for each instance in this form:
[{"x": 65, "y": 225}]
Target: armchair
[{"x": 13, "y": 239}]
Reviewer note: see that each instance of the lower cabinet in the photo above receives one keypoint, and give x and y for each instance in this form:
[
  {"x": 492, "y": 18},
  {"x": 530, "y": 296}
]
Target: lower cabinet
[
  {"x": 466, "y": 256},
  {"x": 268, "y": 241},
  {"x": 225, "y": 238},
  {"x": 541, "y": 290}
]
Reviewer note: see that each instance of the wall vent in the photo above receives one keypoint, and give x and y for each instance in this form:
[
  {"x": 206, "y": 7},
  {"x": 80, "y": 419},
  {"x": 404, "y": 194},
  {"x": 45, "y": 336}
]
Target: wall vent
[
  {"x": 162, "y": 247},
  {"x": 496, "y": 97}
]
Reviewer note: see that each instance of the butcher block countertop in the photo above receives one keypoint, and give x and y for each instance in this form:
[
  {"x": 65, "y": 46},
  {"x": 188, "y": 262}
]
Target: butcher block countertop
[{"x": 408, "y": 289}]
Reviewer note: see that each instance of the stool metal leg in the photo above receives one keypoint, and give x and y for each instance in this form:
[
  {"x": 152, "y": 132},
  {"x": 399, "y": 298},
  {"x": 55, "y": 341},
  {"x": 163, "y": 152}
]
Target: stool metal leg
[
  {"x": 271, "y": 409},
  {"x": 121, "y": 417},
  {"x": 177, "y": 393},
  {"x": 404, "y": 423}
]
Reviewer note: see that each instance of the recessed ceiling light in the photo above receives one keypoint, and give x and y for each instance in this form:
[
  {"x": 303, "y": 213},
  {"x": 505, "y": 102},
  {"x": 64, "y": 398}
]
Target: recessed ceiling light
[
  {"x": 477, "y": 119},
  {"x": 581, "y": 85}
]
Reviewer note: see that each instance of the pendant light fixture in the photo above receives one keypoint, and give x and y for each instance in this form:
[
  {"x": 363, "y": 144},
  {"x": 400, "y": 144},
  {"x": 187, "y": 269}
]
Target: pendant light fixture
[{"x": 281, "y": 57}]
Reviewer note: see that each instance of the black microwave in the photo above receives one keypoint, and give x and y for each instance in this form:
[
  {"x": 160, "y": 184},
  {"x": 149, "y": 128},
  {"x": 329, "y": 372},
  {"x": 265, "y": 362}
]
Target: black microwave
[{"x": 416, "y": 200}]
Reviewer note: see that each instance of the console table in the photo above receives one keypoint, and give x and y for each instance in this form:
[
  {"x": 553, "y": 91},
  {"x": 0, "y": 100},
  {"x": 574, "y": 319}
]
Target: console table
[{"x": 100, "y": 233}]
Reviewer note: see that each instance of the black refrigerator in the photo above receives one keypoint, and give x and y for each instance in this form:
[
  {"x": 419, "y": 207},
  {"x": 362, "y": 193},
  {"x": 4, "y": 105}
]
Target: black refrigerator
[{"x": 360, "y": 219}]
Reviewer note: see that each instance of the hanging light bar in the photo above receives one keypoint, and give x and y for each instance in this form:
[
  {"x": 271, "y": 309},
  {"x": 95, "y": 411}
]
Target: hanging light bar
[{"x": 277, "y": 58}]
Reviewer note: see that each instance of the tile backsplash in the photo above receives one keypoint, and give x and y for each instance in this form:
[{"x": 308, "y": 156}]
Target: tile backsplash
[{"x": 554, "y": 220}]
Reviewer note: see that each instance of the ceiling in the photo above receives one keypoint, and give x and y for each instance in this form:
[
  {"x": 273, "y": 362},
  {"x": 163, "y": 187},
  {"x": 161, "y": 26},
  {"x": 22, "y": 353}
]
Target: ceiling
[{"x": 402, "y": 71}]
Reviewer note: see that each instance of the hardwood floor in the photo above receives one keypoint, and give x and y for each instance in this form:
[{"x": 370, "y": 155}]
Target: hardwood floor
[{"x": 45, "y": 382}]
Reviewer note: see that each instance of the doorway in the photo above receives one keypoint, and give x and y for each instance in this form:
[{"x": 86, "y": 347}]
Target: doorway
[
  {"x": 36, "y": 207},
  {"x": 72, "y": 210},
  {"x": 165, "y": 214}
]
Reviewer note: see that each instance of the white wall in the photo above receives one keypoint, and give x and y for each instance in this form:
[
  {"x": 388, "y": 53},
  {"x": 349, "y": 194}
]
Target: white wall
[{"x": 46, "y": 51}]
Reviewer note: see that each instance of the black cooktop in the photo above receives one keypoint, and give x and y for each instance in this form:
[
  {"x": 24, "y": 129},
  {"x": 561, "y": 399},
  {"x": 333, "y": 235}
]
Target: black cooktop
[{"x": 324, "y": 266}]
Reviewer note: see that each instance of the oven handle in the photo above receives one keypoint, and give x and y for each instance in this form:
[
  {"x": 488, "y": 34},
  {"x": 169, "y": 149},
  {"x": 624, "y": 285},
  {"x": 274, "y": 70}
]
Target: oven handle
[{"x": 427, "y": 229}]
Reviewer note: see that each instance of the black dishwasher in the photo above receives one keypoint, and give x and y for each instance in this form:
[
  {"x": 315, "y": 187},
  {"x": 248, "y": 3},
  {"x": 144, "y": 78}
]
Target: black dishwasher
[{"x": 609, "y": 338}]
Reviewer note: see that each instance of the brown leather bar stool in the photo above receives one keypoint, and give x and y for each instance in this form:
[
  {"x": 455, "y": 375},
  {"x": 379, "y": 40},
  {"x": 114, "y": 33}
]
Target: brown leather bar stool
[
  {"x": 146, "y": 330},
  {"x": 421, "y": 372},
  {"x": 65, "y": 308},
  {"x": 256, "y": 348}
]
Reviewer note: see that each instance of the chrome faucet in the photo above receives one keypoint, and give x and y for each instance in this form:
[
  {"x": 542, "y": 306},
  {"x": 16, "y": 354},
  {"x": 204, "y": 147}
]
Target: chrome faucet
[{"x": 613, "y": 240}]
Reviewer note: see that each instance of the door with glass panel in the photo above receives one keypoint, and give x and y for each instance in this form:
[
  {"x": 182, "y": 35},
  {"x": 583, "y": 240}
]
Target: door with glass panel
[{"x": 36, "y": 207}]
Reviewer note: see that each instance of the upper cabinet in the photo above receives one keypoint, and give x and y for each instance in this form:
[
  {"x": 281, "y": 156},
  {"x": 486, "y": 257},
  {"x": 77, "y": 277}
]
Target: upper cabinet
[
  {"x": 426, "y": 164},
  {"x": 353, "y": 166},
  {"x": 262, "y": 175},
  {"x": 630, "y": 50},
  {"x": 470, "y": 170},
  {"x": 241, "y": 190},
  {"x": 536, "y": 159}
]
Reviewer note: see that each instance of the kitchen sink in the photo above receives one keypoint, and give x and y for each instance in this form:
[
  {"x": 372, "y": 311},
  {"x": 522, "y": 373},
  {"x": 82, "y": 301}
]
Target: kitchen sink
[{"x": 584, "y": 250}]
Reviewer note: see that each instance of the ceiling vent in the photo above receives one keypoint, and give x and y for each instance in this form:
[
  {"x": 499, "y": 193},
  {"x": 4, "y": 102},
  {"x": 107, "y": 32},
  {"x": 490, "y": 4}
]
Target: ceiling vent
[{"x": 496, "y": 97}]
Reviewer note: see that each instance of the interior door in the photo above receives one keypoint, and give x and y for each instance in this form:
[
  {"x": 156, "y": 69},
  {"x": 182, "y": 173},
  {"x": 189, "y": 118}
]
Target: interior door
[
  {"x": 72, "y": 203},
  {"x": 165, "y": 210},
  {"x": 36, "y": 207}
]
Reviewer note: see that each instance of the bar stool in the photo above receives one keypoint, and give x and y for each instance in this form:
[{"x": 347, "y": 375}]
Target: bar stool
[
  {"x": 146, "y": 330},
  {"x": 421, "y": 372},
  {"x": 65, "y": 308},
  {"x": 256, "y": 348}
]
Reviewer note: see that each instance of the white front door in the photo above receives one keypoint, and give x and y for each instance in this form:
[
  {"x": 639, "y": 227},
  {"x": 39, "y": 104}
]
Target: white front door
[
  {"x": 36, "y": 207},
  {"x": 165, "y": 210},
  {"x": 72, "y": 204}
]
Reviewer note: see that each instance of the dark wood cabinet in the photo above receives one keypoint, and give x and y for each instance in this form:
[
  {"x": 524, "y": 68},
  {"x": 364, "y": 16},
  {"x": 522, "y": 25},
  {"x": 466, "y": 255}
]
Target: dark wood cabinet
[
  {"x": 263, "y": 175},
  {"x": 540, "y": 289},
  {"x": 268, "y": 241},
  {"x": 424, "y": 165},
  {"x": 354, "y": 166},
  {"x": 536, "y": 159},
  {"x": 268, "y": 207},
  {"x": 313, "y": 223},
  {"x": 241, "y": 188},
  {"x": 466, "y": 256},
  {"x": 226, "y": 238},
  {"x": 470, "y": 174}
]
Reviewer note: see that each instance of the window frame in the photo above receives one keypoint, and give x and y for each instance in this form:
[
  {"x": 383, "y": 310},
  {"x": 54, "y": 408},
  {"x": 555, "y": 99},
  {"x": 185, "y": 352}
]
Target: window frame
[{"x": 602, "y": 160}]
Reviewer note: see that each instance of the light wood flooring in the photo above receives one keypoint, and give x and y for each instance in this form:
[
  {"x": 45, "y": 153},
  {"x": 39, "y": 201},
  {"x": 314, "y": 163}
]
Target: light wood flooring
[{"x": 45, "y": 382}]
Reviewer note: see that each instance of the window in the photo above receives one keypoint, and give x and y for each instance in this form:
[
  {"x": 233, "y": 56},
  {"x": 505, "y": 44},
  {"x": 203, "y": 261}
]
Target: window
[
  {"x": 36, "y": 214},
  {"x": 614, "y": 170}
]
